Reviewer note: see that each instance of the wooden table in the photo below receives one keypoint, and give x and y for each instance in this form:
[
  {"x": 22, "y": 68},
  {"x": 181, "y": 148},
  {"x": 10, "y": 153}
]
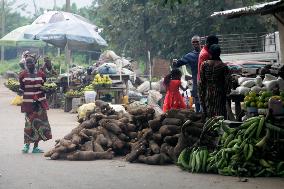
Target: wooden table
[
  {"x": 117, "y": 90},
  {"x": 124, "y": 78}
]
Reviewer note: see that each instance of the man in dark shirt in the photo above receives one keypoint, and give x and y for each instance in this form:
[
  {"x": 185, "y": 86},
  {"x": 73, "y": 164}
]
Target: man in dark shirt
[{"x": 191, "y": 62}]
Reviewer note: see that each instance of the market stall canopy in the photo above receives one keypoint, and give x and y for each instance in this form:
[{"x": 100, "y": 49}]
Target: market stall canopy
[
  {"x": 16, "y": 38},
  {"x": 58, "y": 16},
  {"x": 264, "y": 8},
  {"x": 63, "y": 28}
]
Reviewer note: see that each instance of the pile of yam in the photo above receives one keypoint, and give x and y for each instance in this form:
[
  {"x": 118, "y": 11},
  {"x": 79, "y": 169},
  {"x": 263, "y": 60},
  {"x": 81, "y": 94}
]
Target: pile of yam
[
  {"x": 102, "y": 134},
  {"x": 162, "y": 141},
  {"x": 138, "y": 135}
]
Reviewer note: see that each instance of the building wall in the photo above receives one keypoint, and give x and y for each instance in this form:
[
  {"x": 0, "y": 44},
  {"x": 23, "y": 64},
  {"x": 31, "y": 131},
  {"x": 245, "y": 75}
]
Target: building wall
[{"x": 281, "y": 38}]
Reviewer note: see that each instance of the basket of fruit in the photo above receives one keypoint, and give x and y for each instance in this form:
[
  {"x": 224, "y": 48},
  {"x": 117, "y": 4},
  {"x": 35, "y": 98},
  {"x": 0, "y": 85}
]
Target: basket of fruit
[
  {"x": 49, "y": 87},
  {"x": 103, "y": 81},
  {"x": 13, "y": 85},
  {"x": 254, "y": 101},
  {"x": 74, "y": 94}
]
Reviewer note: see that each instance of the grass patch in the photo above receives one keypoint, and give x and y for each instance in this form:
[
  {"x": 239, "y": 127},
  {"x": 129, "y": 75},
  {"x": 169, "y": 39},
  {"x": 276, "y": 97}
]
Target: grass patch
[{"x": 9, "y": 65}]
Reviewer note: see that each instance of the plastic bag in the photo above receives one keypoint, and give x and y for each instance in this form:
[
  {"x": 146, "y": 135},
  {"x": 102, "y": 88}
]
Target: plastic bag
[
  {"x": 249, "y": 83},
  {"x": 243, "y": 79},
  {"x": 90, "y": 96},
  {"x": 17, "y": 101},
  {"x": 243, "y": 90},
  {"x": 82, "y": 110},
  {"x": 107, "y": 68}
]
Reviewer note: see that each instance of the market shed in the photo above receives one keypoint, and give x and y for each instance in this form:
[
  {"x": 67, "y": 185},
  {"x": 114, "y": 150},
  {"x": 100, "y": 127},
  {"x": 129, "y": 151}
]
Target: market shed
[{"x": 276, "y": 8}]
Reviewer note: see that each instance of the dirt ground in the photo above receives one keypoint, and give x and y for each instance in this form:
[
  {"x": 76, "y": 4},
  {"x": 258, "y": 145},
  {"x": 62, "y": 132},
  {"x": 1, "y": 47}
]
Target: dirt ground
[{"x": 30, "y": 171}]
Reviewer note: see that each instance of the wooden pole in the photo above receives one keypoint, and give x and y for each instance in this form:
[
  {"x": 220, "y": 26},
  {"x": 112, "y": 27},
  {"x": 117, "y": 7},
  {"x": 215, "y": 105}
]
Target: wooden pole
[
  {"x": 3, "y": 30},
  {"x": 67, "y": 5},
  {"x": 54, "y": 5}
]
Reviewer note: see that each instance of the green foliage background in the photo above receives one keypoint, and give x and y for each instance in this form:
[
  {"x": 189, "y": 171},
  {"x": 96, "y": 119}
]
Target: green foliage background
[{"x": 164, "y": 27}]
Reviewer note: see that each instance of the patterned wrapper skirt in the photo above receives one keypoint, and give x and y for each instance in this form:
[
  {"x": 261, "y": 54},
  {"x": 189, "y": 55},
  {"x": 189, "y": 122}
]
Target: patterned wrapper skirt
[{"x": 37, "y": 127}]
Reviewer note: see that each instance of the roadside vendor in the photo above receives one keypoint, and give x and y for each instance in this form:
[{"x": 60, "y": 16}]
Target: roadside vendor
[
  {"x": 22, "y": 62},
  {"x": 89, "y": 77},
  {"x": 47, "y": 68}
]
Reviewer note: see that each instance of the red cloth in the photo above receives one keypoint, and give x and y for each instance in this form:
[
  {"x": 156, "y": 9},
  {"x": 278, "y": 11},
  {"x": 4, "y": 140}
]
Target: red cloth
[
  {"x": 203, "y": 56},
  {"x": 31, "y": 87},
  {"x": 173, "y": 99}
]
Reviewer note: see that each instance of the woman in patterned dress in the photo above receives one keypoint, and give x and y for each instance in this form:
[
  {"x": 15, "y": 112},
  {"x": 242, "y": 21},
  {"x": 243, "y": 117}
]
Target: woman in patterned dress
[
  {"x": 173, "y": 99},
  {"x": 34, "y": 106},
  {"x": 215, "y": 84}
]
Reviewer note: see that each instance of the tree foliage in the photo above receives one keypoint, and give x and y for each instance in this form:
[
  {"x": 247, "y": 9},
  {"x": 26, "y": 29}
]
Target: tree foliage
[
  {"x": 13, "y": 19},
  {"x": 165, "y": 26}
]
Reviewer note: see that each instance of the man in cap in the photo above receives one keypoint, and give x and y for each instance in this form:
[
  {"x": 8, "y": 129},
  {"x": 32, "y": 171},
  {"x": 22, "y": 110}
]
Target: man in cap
[{"x": 191, "y": 62}]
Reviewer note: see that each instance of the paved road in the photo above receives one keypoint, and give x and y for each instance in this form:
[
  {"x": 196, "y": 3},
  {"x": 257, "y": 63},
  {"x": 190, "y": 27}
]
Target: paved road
[{"x": 29, "y": 171}]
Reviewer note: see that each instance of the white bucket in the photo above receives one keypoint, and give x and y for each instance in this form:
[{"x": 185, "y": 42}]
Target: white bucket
[{"x": 90, "y": 96}]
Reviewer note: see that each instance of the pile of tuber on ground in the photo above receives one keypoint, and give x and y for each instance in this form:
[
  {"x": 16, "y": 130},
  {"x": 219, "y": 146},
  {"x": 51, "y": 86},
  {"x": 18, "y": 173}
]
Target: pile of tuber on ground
[
  {"x": 138, "y": 134},
  {"x": 164, "y": 139},
  {"x": 103, "y": 134}
]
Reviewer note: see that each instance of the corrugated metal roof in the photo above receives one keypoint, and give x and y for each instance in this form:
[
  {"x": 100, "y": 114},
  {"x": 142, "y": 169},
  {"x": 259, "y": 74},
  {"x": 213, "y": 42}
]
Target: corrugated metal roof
[{"x": 264, "y": 8}]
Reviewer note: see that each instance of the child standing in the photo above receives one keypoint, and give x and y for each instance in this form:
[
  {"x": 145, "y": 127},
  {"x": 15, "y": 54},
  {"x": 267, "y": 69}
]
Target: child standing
[{"x": 173, "y": 99}]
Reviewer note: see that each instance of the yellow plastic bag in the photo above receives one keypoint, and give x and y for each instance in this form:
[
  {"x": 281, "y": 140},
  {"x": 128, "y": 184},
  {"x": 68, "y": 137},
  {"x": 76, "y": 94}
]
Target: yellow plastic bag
[{"x": 17, "y": 101}]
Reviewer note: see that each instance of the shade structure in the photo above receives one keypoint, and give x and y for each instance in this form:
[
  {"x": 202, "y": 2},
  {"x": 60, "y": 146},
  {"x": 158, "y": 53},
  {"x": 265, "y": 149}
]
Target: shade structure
[
  {"x": 78, "y": 34},
  {"x": 57, "y": 16},
  {"x": 66, "y": 30},
  {"x": 16, "y": 38}
]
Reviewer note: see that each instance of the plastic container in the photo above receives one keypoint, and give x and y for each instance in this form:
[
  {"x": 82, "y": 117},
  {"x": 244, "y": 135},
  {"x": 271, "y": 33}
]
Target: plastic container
[
  {"x": 90, "y": 96},
  {"x": 251, "y": 109},
  {"x": 276, "y": 106},
  {"x": 258, "y": 81},
  {"x": 263, "y": 111}
]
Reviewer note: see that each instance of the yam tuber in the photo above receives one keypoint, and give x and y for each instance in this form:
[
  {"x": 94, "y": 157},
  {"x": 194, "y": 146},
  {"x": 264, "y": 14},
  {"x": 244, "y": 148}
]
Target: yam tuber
[
  {"x": 155, "y": 124},
  {"x": 172, "y": 121},
  {"x": 154, "y": 147},
  {"x": 171, "y": 140},
  {"x": 169, "y": 130},
  {"x": 90, "y": 155},
  {"x": 156, "y": 159}
]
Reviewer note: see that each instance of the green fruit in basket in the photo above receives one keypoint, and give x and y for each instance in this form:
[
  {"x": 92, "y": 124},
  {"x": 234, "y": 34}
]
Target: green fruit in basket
[
  {"x": 252, "y": 104},
  {"x": 252, "y": 94},
  {"x": 265, "y": 104},
  {"x": 262, "y": 99},
  {"x": 260, "y": 104},
  {"x": 246, "y": 98},
  {"x": 247, "y": 103}
]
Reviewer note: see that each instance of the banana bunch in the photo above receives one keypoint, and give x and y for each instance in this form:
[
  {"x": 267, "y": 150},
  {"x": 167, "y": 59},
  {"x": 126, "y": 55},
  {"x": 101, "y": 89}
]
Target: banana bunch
[
  {"x": 194, "y": 160},
  {"x": 241, "y": 149},
  {"x": 74, "y": 94},
  {"x": 13, "y": 85},
  {"x": 48, "y": 87}
]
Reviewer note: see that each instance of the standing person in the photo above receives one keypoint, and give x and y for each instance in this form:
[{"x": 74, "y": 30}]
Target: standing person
[
  {"x": 191, "y": 62},
  {"x": 34, "y": 106},
  {"x": 22, "y": 63},
  {"x": 215, "y": 84},
  {"x": 204, "y": 53},
  {"x": 173, "y": 99},
  {"x": 47, "y": 68}
]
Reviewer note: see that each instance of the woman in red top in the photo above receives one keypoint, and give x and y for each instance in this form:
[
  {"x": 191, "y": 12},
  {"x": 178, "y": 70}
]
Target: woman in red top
[
  {"x": 34, "y": 106},
  {"x": 173, "y": 99}
]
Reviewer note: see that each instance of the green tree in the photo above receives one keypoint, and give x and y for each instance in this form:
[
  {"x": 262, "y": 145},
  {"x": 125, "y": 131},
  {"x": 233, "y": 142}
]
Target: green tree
[
  {"x": 14, "y": 19},
  {"x": 164, "y": 27}
]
